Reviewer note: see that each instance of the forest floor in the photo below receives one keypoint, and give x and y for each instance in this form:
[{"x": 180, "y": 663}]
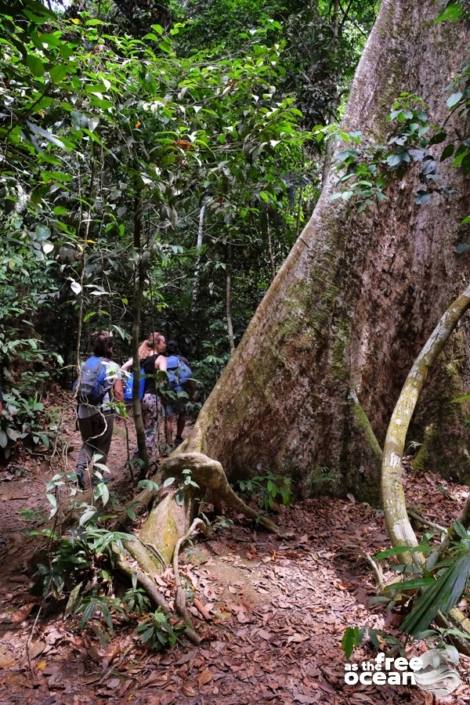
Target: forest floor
[{"x": 276, "y": 608}]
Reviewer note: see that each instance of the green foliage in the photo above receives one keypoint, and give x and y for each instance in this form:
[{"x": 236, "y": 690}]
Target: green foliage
[
  {"x": 157, "y": 632},
  {"x": 268, "y": 489},
  {"x": 23, "y": 419},
  {"x": 367, "y": 169},
  {"x": 454, "y": 12},
  {"x": 444, "y": 590},
  {"x": 354, "y": 637},
  {"x": 135, "y": 600},
  {"x": 92, "y": 606},
  {"x": 92, "y": 117}
]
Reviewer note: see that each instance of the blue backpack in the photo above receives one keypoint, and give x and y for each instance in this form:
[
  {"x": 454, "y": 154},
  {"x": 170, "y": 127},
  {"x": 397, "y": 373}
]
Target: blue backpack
[
  {"x": 179, "y": 373},
  {"x": 92, "y": 385},
  {"x": 129, "y": 386}
]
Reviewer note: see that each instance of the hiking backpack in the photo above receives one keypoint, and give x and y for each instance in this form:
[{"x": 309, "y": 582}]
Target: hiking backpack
[
  {"x": 179, "y": 373},
  {"x": 92, "y": 385},
  {"x": 129, "y": 387}
]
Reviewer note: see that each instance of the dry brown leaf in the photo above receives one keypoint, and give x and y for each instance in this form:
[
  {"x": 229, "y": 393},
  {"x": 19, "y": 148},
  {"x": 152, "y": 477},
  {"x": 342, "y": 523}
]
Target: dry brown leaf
[
  {"x": 297, "y": 638},
  {"x": 188, "y": 690},
  {"x": 267, "y": 636},
  {"x": 6, "y": 659},
  {"x": 204, "y": 677},
  {"x": 21, "y": 614},
  {"x": 36, "y": 648}
]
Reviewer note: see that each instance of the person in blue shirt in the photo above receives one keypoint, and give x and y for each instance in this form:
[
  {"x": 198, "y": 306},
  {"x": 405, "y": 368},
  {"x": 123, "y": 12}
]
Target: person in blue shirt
[
  {"x": 179, "y": 373},
  {"x": 96, "y": 418}
]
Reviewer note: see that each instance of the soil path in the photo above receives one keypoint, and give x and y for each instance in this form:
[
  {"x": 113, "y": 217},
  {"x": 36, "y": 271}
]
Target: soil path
[{"x": 276, "y": 609}]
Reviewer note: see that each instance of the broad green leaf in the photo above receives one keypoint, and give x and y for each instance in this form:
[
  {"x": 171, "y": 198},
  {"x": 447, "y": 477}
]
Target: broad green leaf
[
  {"x": 452, "y": 13},
  {"x": 59, "y": 72},
  {"x": 35, "y": 65},
  {"x": 352, "y": 637}
]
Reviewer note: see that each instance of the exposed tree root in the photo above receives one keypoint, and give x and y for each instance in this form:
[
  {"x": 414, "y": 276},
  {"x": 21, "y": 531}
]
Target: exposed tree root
[
  {"x": 210, "y": 476},
  {"x": 153, "y": 592},
  {"x": 426, "y": 522},
  {"x": 180, "y": 599},
  {"x": 186, "y": 479}
]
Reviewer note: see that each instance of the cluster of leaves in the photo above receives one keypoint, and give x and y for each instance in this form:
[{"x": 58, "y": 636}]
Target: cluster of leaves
[
  {"x": 367, "y": 169},
  {"x": 90, "y": 119},
  {"x": 322, "y": 42},
  {"x": 269, "y": 490},
  {"x": 354, "y": 637},
  {"x": 79, "y": 570},
  {"x": 23, "y": 418},
  {"x": 437, "y": 589}
]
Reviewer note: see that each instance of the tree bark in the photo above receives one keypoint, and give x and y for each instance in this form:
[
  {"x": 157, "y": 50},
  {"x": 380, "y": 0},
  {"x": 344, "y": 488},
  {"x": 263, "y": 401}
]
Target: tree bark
[
  {"x": 138, "y": 297},
  {"x": 310, "y": 388},
  {"x": 356, "y": 298},
  {"x": 228, "y": 299}
]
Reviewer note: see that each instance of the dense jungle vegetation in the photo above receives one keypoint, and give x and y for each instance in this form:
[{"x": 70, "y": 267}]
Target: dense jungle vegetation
[
  {"x": 160, "y": 164},
  {"x": 184, "y": 140}
]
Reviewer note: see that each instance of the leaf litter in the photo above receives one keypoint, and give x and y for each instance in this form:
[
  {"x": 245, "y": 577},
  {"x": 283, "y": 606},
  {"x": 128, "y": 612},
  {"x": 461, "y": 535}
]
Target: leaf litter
[{"x": 272, "y": 612}]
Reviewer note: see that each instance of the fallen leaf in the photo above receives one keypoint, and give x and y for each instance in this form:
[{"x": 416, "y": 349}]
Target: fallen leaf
[
  {"x": 188, "y": 690},
  {"x": 267, "y": 636},
  {"x": 204, "y": 677},
  {"x": 297, "y": 638},
  {"x": 21, "y": 614},
  {"x": 36, "y": 648},
  {"x": 6, "y": 659},
  {"x": 113, "y": 683}
]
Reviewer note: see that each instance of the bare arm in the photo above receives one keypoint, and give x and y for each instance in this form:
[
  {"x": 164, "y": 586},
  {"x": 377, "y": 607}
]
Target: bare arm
[
  {"x": 127, "y": 365},
  {"x": 118, "y": 390},
  {"x": 160, "y": 363}
]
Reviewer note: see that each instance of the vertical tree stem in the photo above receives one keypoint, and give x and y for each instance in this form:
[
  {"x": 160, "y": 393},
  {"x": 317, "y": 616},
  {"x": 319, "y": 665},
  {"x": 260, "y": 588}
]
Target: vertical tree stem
[
  {"x": 396, "y": 516},
  {"x": 228, "y": 299},
  {"x": 138, "y": 298}
]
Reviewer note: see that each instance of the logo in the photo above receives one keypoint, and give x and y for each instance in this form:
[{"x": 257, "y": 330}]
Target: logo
[{"x": 432, "y": 671}]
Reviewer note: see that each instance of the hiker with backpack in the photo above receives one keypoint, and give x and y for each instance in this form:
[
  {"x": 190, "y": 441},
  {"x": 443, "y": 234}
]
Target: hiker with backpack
[
  {"x": 179, "y": 376},
  {"x": 152, "y": 359},
  {"x": 98, "y": 385}
]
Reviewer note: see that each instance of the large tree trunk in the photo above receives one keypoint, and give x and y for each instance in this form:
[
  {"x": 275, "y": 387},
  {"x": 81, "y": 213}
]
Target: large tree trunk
[
  {"x": 312, "y": 384},
  {"x": 356, "y": 298}
]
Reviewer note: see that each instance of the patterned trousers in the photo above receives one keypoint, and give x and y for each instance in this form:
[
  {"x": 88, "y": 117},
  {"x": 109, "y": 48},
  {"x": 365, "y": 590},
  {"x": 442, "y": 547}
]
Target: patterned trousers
[{"x": 150, "y": 408}]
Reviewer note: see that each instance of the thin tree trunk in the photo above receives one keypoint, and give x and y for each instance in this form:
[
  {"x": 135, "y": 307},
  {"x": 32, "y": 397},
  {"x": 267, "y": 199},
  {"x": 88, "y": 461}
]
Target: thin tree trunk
[
  {"x": 270, "y": 246},
  {"x": 86, "y": 238},
  {"x": 396, "y": 516},
  {"x": 228, "y": 299},
  {"x": 136, "y": 326},
  {"x": 197, "y": 270}
]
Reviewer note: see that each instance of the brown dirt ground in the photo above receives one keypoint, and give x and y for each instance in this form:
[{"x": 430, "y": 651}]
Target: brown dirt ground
[{"x": 276, "y": 608}]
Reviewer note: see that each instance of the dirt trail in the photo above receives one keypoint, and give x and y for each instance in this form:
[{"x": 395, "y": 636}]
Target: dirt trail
[{"x": 276, "y": 608}]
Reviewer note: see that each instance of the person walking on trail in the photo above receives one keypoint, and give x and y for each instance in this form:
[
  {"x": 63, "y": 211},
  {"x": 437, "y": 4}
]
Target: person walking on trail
[
  {"x": 152, "y": 359},
  {"x": 179, "y": 373},
  {"x": 99, "y": 385}
]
